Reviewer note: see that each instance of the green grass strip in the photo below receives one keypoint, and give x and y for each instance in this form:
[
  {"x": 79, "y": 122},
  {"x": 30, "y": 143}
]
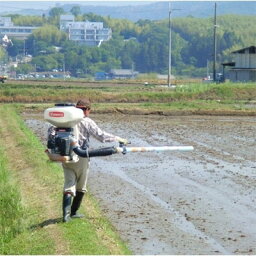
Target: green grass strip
[
  {"x": 16, "y": 217},
  {"x": 139, "y": 93},
  {"x": 10, "y": 205}
]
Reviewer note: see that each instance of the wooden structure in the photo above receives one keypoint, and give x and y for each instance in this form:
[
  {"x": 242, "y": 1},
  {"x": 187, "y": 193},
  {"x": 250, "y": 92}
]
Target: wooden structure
[{"x": 244, "y": 65}]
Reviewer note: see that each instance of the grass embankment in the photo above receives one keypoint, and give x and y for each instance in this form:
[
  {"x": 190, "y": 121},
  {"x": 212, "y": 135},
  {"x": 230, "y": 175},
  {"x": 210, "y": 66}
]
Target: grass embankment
[
  {"x": 192, "y": 98},
  {"x": 31, "y": 194},
  {"x": 215, "y": 100}
]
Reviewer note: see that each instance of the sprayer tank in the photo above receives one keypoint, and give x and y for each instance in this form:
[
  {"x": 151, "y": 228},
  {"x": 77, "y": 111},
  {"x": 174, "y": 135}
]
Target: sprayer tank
[{"x": 63, "y": 116}]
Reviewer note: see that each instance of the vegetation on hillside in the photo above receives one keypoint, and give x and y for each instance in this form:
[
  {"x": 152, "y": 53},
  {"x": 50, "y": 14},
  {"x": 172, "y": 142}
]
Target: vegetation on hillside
[{"x": 142, "y": 45}]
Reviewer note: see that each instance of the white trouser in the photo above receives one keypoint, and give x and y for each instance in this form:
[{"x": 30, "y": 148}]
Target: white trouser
[{"x": 76, "y": 175}]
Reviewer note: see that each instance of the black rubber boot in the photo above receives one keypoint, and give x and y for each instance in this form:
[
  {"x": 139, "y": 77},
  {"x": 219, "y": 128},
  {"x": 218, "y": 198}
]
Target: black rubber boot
[
  {"x": 76, "y": 204},
  {"x": 66, "y": 207}
]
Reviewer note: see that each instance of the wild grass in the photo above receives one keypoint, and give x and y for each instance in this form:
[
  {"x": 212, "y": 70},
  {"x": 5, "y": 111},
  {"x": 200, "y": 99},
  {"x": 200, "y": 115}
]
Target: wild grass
[
  {"x": 190, "y": 96},
  {"x": 11, "y": 209},
  {"x": 222, "y": 90},
  {"x": 125, "y": 93}
]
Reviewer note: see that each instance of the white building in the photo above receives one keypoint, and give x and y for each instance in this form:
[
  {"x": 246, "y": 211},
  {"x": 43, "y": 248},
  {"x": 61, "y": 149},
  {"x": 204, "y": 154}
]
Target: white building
[
  {"x": 19, "y": 32},
  {"x": 84, "y": 32}
]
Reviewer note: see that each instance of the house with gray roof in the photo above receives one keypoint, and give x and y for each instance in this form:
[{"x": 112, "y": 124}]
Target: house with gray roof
[
  {"x": 243, "y": 68},
  {"x": 122, "y": 73}
]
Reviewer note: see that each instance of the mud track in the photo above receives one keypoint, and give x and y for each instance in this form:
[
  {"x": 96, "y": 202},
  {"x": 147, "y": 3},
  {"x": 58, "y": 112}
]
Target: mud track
[{"x": 200, "y": 202}]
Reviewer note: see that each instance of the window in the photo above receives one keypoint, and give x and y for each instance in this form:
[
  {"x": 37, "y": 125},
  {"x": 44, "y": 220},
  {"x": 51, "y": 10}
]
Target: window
[
  {"x": 90, "y": 37},
  {"x": 89, "y": 31}
]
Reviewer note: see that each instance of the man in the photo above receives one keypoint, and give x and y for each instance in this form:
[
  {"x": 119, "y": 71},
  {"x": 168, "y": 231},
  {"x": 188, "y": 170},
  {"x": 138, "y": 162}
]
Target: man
[{"x": 76, "y": 174}]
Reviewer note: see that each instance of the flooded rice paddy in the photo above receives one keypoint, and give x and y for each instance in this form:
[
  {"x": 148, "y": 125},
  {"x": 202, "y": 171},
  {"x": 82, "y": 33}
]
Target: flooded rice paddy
[{"x": 200, "y": 202}]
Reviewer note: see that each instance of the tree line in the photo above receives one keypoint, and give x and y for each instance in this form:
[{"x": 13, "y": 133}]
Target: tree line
[{"x": 142, "y": 45}]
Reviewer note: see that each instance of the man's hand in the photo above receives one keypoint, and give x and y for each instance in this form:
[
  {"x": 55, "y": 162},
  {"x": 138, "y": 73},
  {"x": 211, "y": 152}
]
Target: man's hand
[{"x": 122, "y": 141}]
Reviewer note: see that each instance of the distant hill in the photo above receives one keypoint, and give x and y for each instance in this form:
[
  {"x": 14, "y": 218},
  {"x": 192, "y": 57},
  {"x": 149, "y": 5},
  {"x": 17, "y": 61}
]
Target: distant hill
[
  {"x": 155, "y": 10},
  {"x": 160, "y": 10}
]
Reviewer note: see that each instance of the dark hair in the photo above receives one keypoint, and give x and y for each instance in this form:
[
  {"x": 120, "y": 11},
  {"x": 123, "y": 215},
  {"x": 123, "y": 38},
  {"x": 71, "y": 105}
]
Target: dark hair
[{"x": 83, "y": 103}]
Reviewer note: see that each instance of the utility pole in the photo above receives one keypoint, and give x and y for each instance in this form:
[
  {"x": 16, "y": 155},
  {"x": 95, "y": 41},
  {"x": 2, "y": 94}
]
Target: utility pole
[
  {"x": 64, "y": 69},
  {"x": 207, "y": 69},
  {"x": 170, "y": 46},
  {"x": 34, "y": 49},
  {"x": 214, "y": 44},
  {"x": 24, "y": 47}
]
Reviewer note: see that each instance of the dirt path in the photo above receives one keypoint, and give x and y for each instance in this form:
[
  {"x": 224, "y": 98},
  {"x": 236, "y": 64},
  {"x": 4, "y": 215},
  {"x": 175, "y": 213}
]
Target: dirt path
[{"x": 202, "y": 202}]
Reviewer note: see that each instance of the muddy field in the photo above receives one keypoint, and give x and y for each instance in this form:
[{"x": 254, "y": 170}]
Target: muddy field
[{"x": 200, "y": 202}]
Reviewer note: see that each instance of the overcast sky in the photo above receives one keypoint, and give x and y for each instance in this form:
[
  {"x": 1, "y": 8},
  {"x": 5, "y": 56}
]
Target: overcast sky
[{"x": 44, "y": 5}]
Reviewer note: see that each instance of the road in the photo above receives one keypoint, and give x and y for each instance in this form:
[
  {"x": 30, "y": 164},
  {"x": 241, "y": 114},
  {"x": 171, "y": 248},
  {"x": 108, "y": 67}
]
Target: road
[{"x": 200, "y": 202}]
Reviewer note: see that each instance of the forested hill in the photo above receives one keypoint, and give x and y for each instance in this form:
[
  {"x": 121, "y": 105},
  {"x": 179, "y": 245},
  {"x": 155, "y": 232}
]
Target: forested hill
[
  {"x": 142, "y": 45},
  {"x": 160, "y": 10},
  {"x": 134, "y": 10}
]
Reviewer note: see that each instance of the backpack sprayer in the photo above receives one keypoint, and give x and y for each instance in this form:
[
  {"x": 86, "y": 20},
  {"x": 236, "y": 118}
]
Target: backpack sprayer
[{"x": 62, "y": 145}]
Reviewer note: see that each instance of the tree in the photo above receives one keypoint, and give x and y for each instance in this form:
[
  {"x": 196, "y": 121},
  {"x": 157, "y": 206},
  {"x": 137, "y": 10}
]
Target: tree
[
  {"x": 2, "y": 53},
  {"x": 24, "y": 68},
  {"x": 129, "y": 53},
  {"x": 50, "y": 34},
  {"x": 56, "y": 12},
  {"x": 28, "y": 21},
  {"x": 16, "y": 48},
  {"x": 92, "y": 17},
  {"x": 45, "y": 63},
  {"x": 54, "y": 16},
  {"x": 142, "y": 45},
  {"x": 75, "y": 10},
  {"x": 71, "y": 62}
]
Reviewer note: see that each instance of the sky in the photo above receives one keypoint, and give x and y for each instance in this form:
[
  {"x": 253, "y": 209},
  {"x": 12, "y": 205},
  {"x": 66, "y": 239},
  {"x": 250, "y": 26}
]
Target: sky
[
  {"x": 44, "y": 5},
  {"x": 13, "y": 5}
]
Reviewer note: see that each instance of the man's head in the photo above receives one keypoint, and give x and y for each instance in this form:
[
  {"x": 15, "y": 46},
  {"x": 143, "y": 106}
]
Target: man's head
[{"x": 85, "y": 105}]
